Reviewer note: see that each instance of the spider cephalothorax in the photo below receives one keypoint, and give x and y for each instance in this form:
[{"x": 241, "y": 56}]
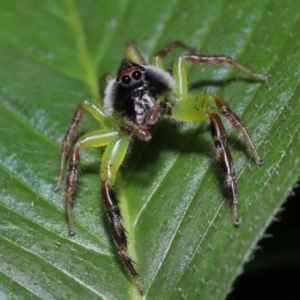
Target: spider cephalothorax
[
  {"x": 135, "y": 91},
  {"x": 137, "y": 98}
]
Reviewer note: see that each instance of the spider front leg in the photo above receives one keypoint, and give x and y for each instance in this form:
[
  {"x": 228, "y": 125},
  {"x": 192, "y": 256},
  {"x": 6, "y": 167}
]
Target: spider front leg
[{"x": 112, "y": 159}]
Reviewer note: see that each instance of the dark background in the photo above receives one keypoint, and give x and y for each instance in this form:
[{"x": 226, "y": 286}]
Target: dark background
[{"x": 274, "y": 271}]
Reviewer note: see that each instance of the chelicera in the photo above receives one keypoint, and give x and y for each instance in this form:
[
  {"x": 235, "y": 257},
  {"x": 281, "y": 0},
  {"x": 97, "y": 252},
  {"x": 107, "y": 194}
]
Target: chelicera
[{"x": 134, "y": 101}]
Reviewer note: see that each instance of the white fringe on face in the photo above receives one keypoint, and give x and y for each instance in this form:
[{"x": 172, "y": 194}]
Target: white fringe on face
[
  {"x": 161, "y": 75},
  {"x": 109, "y": 95}
]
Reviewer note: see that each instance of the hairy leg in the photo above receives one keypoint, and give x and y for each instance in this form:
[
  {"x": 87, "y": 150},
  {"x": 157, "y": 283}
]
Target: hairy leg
[
  {"x": 222, "y": 60},
  {"x": 237, "y": 123},
  {"x": 111, "y": 161},
  {"x": 68, "y": 138},
  {"x": 225, "y": 159}
]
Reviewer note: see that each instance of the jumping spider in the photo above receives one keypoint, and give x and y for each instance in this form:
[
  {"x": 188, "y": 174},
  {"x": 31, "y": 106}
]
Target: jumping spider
[{"x": 134, "y": 101}]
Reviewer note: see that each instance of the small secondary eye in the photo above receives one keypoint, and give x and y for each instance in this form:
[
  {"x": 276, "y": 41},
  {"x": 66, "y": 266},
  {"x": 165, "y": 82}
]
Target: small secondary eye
[
  {"x": 142, "y": 69},
  {"x": 126, "y": 79},
  {"x": 136, "y": 75}
]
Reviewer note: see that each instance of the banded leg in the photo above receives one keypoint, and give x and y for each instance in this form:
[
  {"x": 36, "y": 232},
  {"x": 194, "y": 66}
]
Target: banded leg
[
  {"x": 97, "y": 138},
  {"x": 222, "y": 60},
  {"x": 196, "y": 58},
  {"x": 71, "y": 185},
  {"x": 156, "y": 60},
  {"x": 111, "y": 161},
  {"x": 68, "y": 138},
  {"x": 237, "y": 123},
  {"x": 97, "y": 112},
  {"x": 194, "y": 108},
  {"x": 225, "y": 159}
]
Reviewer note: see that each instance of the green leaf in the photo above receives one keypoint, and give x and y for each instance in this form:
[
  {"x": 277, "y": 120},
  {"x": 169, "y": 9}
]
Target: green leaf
[{"x": 179, "y": 224}]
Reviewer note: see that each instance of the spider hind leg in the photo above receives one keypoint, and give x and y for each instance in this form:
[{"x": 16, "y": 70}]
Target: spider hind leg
[
  {"x": 112, "y": 159},
  {"x": 237, "y": 123},
  {"x": 208, "y": 107}
]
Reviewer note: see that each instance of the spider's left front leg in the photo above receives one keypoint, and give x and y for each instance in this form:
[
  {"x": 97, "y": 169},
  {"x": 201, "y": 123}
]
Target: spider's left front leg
[{"x": 111, "y": 161}]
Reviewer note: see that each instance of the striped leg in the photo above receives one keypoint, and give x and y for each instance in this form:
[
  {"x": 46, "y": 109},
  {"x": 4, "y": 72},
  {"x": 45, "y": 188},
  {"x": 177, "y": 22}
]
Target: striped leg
[
  {"x": 118, "y": 231},
  {"x": 112, "y": 159},
  {"x": 71, "y": 185},
  {"x": 223, "y": 60},
  {"x": 237, "y": 123},
  {"x": 69, "y": 137},
  {"x": 225, "y": 159}
]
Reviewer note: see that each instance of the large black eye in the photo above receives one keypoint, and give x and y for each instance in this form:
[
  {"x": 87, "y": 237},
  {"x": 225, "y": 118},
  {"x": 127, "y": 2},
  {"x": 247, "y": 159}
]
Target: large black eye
[
  {"x": 126, "y": 79},
  {"x": 136, "y": 75}
]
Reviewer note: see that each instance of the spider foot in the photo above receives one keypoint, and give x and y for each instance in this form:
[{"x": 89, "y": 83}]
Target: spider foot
[
  {"x": 263, "y": 77},
  {"x": 72, "y": 231},
  {"x": 236, "y": 218},
  {"x": 139, "y": 285},
  {"x": 260, "y": 161},
  {"x": 58, "y": 182},
  {"x": 57, "y": 186}
]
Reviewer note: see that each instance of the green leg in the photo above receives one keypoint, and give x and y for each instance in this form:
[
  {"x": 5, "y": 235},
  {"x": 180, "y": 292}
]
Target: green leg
[
  {"x": 195, "y": 108},
  {"x": 97, "y": 111},
  {"x": 97, "y": 138}
]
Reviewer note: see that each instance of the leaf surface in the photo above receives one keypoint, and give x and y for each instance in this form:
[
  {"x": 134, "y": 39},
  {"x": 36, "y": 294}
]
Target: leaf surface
[{"x": 170, "y": 189}]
